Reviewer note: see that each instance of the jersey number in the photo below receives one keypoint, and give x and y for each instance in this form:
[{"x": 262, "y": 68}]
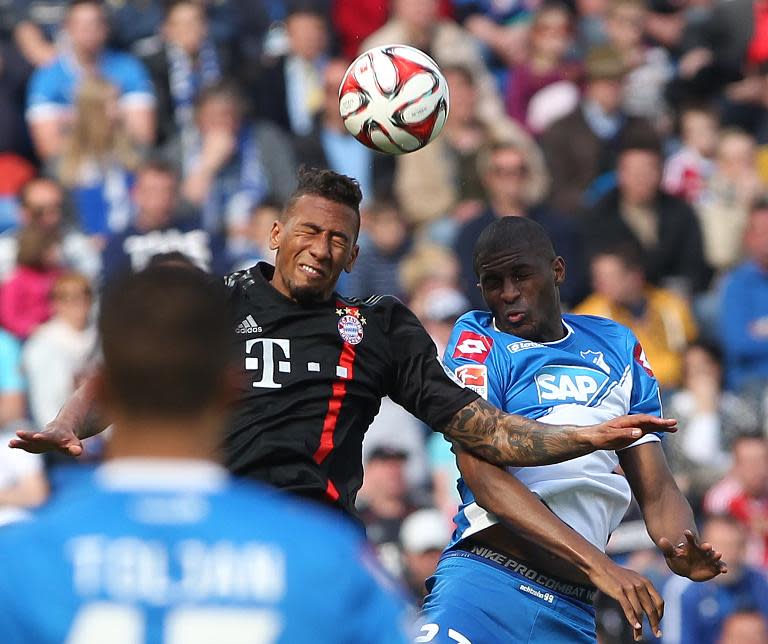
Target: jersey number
[
  {"x": 101, "y": 622},
  {"x": 429, "y": 632}
]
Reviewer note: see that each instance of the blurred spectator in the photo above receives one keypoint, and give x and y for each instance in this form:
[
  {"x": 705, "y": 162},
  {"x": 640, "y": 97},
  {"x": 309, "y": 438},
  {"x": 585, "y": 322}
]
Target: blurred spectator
[
  {"x": 548, "y": 42},
  {"x": 418, "y": 23},
  {"x": 185, "y": 63},
  {"x": 688, "y": 170},
  {"x": 743, "y": 494},
  {"x": 744, "y": 310},
  {"x": 703, "y": 608},
  {"x": 41, "y": 204},
  {"x": 329, "y": 145},
  {"x": 14, "y": 71},
  {"x": 511, "y": 183},
  {"x": 355, "y": 20},
  {"x": 384, "y": 241},
  {"x": 289, "y": 91},
  {"x": 98, "y": 160},
  {"x": 638, "y": 212},
  {"x": 649, "y": 67},
  {"x": 442, "y": 178},
  {"x": 427, "y": 267},
  {"x": 383, "y": 502},
  {"x": 37, "y": 25},
  {"x": 660, "y": 319},
  {"x": 234, "y": 164},
  {"x": 709, "y": 420},
  {"x": 15, "y": 171},
  {"x": 744, "y": 627},
  {"x": 724, "y": 206},
  {"x": 25, "y": 294},
  {"x": 56, "y": 353},
  {"x": 581, "y": 148},
  {"x": 395, "y": 426},
  {"x": 22, "y": 480},
  {"x": 500, "y": 26},
  {"x": 423, "y": 536},
  {"x": 249, "y": 244},
  {"x": 81, "y": 54},
  {"x": 158, "y": 228}
]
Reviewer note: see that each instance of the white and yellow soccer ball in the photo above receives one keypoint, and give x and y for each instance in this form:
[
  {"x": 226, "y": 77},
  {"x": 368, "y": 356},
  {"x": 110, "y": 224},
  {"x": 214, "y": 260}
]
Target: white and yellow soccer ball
[{"x": 394, "y": 99}]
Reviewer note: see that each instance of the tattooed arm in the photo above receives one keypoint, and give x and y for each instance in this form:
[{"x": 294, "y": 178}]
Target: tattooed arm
[{"x": 509, "y": 439}]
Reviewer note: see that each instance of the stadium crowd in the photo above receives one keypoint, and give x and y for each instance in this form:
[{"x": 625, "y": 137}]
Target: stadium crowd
[{"x": 635, "y": 132}]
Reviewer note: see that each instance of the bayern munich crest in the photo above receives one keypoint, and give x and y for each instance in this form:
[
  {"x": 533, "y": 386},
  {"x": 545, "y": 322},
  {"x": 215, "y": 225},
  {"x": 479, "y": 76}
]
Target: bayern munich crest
[{"x": 351, "y": 329}]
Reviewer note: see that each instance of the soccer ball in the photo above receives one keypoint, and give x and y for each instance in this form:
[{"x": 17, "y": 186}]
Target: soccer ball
[{"x": 394, "y": 99}]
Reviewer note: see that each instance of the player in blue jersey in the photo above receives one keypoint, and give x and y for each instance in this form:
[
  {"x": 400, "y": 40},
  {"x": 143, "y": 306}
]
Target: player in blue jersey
[
  {"x": 159, "y": 545},
  {"x": 498, "y": 581}
]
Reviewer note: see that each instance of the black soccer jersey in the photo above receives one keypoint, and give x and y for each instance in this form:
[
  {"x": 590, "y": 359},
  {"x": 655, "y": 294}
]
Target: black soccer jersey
[{"x": 314, "y": 379}]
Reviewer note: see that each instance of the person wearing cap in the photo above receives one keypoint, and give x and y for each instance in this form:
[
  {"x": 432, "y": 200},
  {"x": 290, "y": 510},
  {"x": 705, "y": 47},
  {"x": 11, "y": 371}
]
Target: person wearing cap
[
  {"x": 423, "y": 536},
  {"x": 580, "y": 147}
]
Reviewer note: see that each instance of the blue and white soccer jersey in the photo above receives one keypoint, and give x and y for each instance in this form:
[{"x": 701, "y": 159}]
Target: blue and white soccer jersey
[
  {"x": 52, "y": 89},
  {"x": 598, "y": 371},
  {"x": 152, "y": 553}
]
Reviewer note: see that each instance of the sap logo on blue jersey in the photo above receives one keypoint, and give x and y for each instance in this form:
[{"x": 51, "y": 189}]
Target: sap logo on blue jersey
[{"x": 569, "y": 383}]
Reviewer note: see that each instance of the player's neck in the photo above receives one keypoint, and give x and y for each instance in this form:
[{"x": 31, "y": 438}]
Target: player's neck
[{"x": 184, "y": 439}]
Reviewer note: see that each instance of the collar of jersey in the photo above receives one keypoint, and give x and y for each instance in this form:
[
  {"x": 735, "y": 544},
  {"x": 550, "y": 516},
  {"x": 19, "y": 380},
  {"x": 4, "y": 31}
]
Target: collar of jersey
[
  {"x": 162, "y": 474},
  {"x": 566, "y": 338}
]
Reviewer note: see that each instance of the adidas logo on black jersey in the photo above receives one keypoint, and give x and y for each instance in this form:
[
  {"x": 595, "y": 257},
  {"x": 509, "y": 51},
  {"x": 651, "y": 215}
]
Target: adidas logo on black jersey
[{"x": 248, "y": 326}]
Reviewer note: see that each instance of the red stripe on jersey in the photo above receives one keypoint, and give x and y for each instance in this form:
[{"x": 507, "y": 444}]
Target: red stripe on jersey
[
  {"x": 331, "y": 492},
  {"x": 346, "y": 361}
]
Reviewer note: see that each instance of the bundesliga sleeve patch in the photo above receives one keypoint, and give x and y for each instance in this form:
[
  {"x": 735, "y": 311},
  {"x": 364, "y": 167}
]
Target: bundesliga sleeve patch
[
  {"x": 473, "y": 346},
  {"x": 474, "y": 377},
  {"x": 642, "y": 360}
]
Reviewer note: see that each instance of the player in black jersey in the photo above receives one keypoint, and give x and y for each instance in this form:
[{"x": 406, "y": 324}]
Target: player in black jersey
[{"x": 316, "y": 365}]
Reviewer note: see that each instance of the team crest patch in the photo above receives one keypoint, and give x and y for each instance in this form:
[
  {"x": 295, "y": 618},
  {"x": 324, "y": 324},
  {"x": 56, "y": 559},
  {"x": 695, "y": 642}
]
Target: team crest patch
[{"x": 351, "y": 329}]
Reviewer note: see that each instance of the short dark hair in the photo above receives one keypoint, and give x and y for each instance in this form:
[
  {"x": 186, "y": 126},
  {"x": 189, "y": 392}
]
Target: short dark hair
[
  {"x": 224, "y": 88},
  {"x": 76, "y": 3},
  {"x": 166, "y": 339},
  {"x": 511, "y": 232},
  {"x": 628, "y": 252},
  {"x": 328, "y": 184},
  {"x": 158, "y": 164}
]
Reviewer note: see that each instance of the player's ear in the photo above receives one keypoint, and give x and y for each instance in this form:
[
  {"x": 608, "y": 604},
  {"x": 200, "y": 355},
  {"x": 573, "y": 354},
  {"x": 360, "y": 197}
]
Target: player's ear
[
  {"x": 275, "y": 234},
  {"x": 558, "y": 269},
  {"x": 352, "y": 258}
]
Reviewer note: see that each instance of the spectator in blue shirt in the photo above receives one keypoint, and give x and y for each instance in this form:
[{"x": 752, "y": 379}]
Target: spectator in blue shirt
[
  {"x": 744, "y": 309},
  {"x": 698, "y": 614},
  {"x": 82, "y": 54}
]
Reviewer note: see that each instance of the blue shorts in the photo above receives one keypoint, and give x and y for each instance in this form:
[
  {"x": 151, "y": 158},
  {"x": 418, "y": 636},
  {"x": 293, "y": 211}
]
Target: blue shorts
[{"x": 473, "y": 601}]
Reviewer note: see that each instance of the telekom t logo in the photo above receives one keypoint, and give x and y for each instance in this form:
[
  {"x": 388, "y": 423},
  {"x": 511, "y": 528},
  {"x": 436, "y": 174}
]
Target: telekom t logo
[{"x": 272, "y": 350}]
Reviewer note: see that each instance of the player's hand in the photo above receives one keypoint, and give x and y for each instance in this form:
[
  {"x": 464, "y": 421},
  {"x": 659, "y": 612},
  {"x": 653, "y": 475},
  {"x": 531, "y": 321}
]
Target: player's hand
[
  {"x": 633, "y": 592},
  {"x": 58, "y": 435},
  {"x": 623, "y": 431},
  {"x": 697, "y": 561}
]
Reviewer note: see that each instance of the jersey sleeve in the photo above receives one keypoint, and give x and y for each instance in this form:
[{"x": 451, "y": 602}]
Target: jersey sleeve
[
  {"x": 645, "y": 397},
  {"x": 419, "y": 382},
  {"x": 137, "y": 89},
  {"x": 470, "y": 357},
  {"x": 45, "y": 96}
]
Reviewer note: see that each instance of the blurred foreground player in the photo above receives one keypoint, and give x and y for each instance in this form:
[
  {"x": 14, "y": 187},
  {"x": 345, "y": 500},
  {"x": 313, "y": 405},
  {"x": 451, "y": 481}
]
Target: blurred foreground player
[
  {"x": 546, "y": 365},
  {"x": 159, "y": 544},
  {"x": 316, "y": 366}
]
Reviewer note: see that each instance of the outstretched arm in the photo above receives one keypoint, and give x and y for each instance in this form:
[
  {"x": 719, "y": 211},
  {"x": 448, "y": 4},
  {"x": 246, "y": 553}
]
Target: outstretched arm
[
  {"x": 514, "y": 505},
  {"x": 509, "y": 439},
  {"x": 668, "y": 517},
  {"x": 74, "y": 422}
]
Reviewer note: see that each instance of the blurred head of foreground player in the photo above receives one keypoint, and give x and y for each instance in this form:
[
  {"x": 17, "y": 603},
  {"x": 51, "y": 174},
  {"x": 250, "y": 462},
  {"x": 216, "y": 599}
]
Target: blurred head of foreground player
[
  {"x": 165, "y": 379},
  {"x": 316, "y": 236},
  {"x": 519, "y": 276}
]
